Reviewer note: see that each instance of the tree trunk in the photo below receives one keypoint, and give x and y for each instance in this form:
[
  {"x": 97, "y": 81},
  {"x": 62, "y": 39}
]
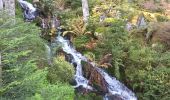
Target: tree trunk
[
  {"x": 1, "y": 4},
  {"x": 85, "y": 9},
  {"x": 10, "y": 7}
]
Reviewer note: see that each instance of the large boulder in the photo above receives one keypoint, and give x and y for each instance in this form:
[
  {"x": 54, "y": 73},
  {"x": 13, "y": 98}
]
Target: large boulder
[
  {"x": 154, "y": 33},
  {"x": 95, "y": 78},
  {"x": 159, "y": 32},
  {"x": 114, "y": 97}
]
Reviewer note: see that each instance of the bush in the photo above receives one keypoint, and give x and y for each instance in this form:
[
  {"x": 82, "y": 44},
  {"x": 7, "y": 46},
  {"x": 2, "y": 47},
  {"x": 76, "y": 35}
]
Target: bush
[
  {"x": 113, "y": 39},
  {"x": 147, "y": 72},
  {"x": 162, "y": 18},
  {"x": 61, "y": 71},
  {"x": 54, "y": 92},
  {"x": 143, "y": 68},
  {"x": 80, "y": 41},
  {"x": 24, "y": 64}
]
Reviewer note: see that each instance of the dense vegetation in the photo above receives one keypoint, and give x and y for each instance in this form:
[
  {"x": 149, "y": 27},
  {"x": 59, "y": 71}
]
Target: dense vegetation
[
  {"x": 25, "y": 67},
  {"x": 142, "y": 64}
]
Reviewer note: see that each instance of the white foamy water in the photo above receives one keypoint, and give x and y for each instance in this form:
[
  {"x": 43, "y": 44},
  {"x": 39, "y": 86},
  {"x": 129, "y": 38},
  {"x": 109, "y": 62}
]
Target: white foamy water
[
  {"x": 113, "y": 85},
  {"x": 30, "y": 12}
]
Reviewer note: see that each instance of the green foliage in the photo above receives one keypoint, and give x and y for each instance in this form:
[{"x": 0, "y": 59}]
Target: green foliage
[
  {"x": 4, "y": 18},
  {"x": 80, "y": 29},
  {"x": 18, "y": 10},
  {"x": 77, "y": 25},
  {"x": 154, "y": 83},
  {"x": 148, "y": 72},
  {"x": 60, "y": 71},
  {"x": 74, "y": 3},
  {"x": 23, "y": 54},
  {"x": 89, "y": 96},
  {"x": 81, "y": 40},
  {"x": 90, "y": 56},
  {"x": 92, "y": 3},
  {"x": 113, "y": 39},
  {"x": 162, "y": 18},
  {"x": 68, "y": 15},
  {"x": 54, "y": 92},
  {"x": 49, "y": 3},
  {"x": 145, "y": 69},
  {"x": 93, "y": 24}
]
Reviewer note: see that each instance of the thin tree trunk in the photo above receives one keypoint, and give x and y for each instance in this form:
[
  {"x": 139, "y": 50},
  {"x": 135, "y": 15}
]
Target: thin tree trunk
[
  {"x": 1, "y": 4},
  {"x": 10, "y": 7},
  {"x": 85, "y": 9}
]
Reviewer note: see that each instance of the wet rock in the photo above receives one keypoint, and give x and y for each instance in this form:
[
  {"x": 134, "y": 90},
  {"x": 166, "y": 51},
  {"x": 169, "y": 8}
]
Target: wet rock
[
  {"x": 75, "y": 64},
  {"x": 61, "y": 29},
  {"x": 114, "y": 97},
  {"x": 60, "y": 52},
  {"x": 73, "y": 82},
  {"x": 95, "y": 78},
  {"x": 85, "y": 68},
  {"x": 82, "y": 90},
  {"x": 68, "y": 35},
  {"x": 69, "y": 58}
]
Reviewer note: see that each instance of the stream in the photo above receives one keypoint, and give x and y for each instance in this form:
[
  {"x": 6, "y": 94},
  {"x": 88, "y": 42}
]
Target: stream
[{"x": 114, "y": 87}]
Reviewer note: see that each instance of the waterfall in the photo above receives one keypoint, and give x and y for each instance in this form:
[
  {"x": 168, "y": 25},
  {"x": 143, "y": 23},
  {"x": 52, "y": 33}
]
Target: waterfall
[
  {"x": 30, "y": 12},
  {"x": 115, "y": 88},
  {"x": 66, "y": 46},
  {"x": 113, "y": 85}
]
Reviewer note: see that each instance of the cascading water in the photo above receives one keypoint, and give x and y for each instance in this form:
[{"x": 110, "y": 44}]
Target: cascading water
[
  {"x": 30, "y": 12},
  {"x": 77, "y": 57},
  {"x": 113, "y": 85},
  {"x": 49, "y": 54}
]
